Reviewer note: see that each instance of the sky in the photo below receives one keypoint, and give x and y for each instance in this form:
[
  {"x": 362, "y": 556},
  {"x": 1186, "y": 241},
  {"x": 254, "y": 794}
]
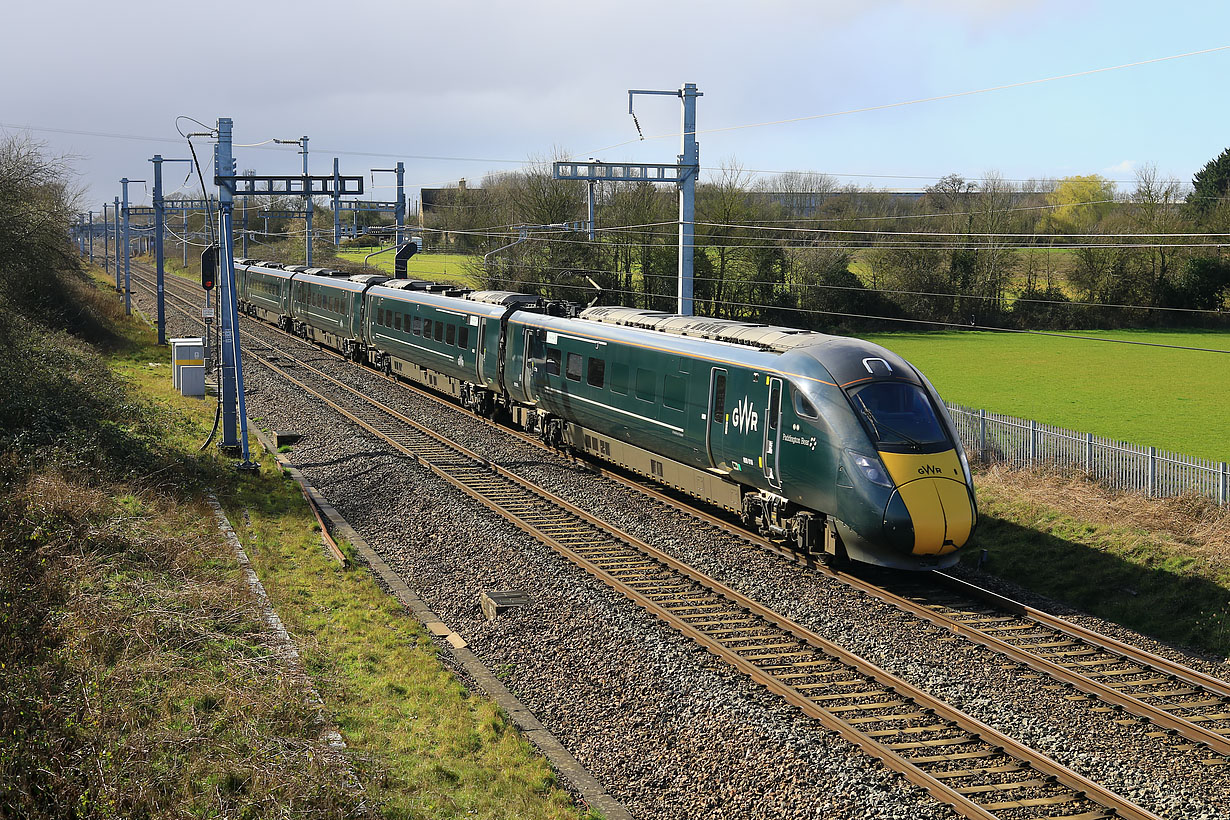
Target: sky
[{"x": 462, "y": 88}]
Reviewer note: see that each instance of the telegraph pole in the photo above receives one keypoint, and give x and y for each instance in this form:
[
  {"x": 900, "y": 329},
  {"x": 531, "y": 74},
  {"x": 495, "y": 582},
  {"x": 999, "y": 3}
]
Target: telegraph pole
[
  {"x": 303, "y": 141},
  {"x": 234, "y": 405},
  {"x": 116, "y": 210},
  {"x": 159, "y": 217},
  {"x": 337, "y": 207},
  {"x": 127, "y": 250},
  {"x": 683, "y": 173},
  {"x": 689, "y": 166},
  {"x": 400, "y": 213}
]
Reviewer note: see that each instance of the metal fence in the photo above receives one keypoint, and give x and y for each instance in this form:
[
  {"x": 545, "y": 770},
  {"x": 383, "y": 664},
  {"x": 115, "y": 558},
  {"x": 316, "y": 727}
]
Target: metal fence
[{"x": 1024, "y": 443}]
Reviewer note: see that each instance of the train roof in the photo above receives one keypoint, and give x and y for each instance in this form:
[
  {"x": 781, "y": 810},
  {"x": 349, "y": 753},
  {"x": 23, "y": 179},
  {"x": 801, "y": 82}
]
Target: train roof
[
  {"x": 504, "y": 297},
  {"x": 332, "y": 282},
  {"x": 762, "y": 337}
]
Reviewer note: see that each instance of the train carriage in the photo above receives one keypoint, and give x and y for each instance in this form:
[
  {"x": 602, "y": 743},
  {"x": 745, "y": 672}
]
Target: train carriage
[
  {"x": 264, "y": 291},
  {"x": 788, "y": 423},
  {"x": 426, "y": 337},
  {"x": 328, "y": 309}
]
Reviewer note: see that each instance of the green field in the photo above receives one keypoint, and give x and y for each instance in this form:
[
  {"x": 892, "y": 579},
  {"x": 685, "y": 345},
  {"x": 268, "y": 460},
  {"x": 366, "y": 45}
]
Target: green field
[
  {"x": 438, "y": 267},
  {"x": 1171, "y": 399}
]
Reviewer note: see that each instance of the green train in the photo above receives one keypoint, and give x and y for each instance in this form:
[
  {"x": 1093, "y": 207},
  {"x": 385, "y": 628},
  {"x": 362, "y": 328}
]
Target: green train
[{"x": 838, "y": 446}]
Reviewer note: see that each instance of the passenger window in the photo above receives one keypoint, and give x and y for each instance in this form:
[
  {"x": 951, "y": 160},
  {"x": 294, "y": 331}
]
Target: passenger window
[
  {"x": 596, "y": 376},
  {"x": 674, "y": 392},
  {"x": 439, "y": 331},
  {"x": 619, "y": 378},
  {"x": 803, "y": 405},
  {"x": 427, "y": 328},
  {"x": 553, "y": 360},
  {"x": 451, "y": 334},
  {"x": 463, "y": 337},
  {"x": 574, "y": 367},
  {"x": 417, "y": 324},
  {"x": 645, "y": 388},
  {"x": 380, "y": 317},
  {"x": 397, "y": 321}
]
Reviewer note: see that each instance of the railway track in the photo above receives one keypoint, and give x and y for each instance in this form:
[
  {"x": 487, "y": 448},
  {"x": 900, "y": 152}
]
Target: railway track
[
  {"x": 968, "y": 765},
  {"x": 1177, "y": 699}
]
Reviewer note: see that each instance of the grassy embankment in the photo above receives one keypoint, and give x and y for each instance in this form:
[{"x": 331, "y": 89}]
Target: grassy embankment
[
  {"x": 1160, "y": 566},
  {"x": 136, "y": 678}
]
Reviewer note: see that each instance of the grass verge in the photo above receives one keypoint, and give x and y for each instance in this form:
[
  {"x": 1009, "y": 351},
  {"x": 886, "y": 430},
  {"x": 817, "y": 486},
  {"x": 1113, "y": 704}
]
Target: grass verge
[{"x": 1159, "y": 566}]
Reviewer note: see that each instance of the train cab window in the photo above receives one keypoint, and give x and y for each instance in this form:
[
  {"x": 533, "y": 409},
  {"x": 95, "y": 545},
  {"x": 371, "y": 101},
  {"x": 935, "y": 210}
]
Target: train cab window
[
  {"x": 397, "y": 321},
  {"x": 619, "y": 378},
  {"x": 646, "y": 389},
  {"x": 898, "y": 414},
  {"x": 439, "y": 331},
  {"x": 463, "y": 337},
  {"x": 595, "y": 376},
  {"x": 674, "y": 392},
  {"x": 427, "y": 328},
  {"x": 803, "y": 405},
  {"x": 574, "y": 367},
  {"x": 450, "y": 335},
  {"x": 417, "y": 326},
  {"x": 553, "y": 360}
]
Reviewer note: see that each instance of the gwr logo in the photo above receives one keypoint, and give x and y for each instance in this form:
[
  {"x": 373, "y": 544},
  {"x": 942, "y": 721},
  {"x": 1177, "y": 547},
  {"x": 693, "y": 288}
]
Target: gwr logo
[
  {"x": 929, "y": 469},
  {"x": 744, "y": 417}
]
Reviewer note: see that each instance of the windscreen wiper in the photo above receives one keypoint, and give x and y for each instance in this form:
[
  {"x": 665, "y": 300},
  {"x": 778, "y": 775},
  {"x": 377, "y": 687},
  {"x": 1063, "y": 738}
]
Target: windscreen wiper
[{"x": 876, "y": 424}]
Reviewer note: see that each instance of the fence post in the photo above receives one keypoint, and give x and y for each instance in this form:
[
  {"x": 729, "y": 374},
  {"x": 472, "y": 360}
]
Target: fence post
[
  {"x": 1222, "y": 488},
  {"x": 1033, "y": 442},
  {"x": 982, "y": 435},
  {"x": 1152, "y": 471},
  {"x": 1089, "y": 453}
]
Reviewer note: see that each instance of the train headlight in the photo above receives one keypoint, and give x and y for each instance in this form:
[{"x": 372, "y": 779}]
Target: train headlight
[{"x": 871, "y": 468}]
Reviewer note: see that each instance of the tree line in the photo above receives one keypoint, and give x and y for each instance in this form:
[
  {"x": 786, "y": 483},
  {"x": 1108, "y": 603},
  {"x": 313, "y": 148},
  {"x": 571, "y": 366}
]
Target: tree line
[{"x": 802, "y": 250}]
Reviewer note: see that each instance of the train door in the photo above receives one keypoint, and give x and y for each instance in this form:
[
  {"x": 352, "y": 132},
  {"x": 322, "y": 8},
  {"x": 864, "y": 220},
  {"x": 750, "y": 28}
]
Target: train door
[
  {"x": 717, "y": 410},
  {"x": 533, "y": 352},
  {"x": 773, "y": 434},
  {"x": 480, "y": 350}
]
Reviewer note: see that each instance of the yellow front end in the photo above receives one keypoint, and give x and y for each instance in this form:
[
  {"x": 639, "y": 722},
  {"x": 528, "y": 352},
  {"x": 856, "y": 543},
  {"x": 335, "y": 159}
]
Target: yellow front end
[{"x": 936, "y": 496}]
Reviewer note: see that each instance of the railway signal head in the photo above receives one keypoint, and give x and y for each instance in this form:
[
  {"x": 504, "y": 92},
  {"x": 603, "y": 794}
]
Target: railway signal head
[{"x": 209, "y": 267}]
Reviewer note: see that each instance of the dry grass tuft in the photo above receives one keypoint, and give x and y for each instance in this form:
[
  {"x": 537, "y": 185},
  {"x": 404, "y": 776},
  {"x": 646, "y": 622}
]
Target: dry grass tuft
[
  {"x": 138, "y": 679},
  {"x": 1192, "y": 521}
]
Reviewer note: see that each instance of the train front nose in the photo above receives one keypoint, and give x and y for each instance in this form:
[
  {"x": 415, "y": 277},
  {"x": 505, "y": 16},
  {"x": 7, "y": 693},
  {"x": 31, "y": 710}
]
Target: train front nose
[{"x": 931, "y": 511}]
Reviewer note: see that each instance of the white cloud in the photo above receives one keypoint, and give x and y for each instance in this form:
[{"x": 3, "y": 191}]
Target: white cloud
[{"x": 1128, "y": 166}]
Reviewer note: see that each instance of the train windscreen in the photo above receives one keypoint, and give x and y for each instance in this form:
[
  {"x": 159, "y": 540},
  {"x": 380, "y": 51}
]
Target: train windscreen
[{"x": 899, "y": 414}]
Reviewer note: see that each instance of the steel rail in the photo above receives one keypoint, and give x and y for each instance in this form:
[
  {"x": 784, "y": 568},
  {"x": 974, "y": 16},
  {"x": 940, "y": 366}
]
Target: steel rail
[
  {"x": 688, "y": 612},
  {"x": 1070, "y": 675}
]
